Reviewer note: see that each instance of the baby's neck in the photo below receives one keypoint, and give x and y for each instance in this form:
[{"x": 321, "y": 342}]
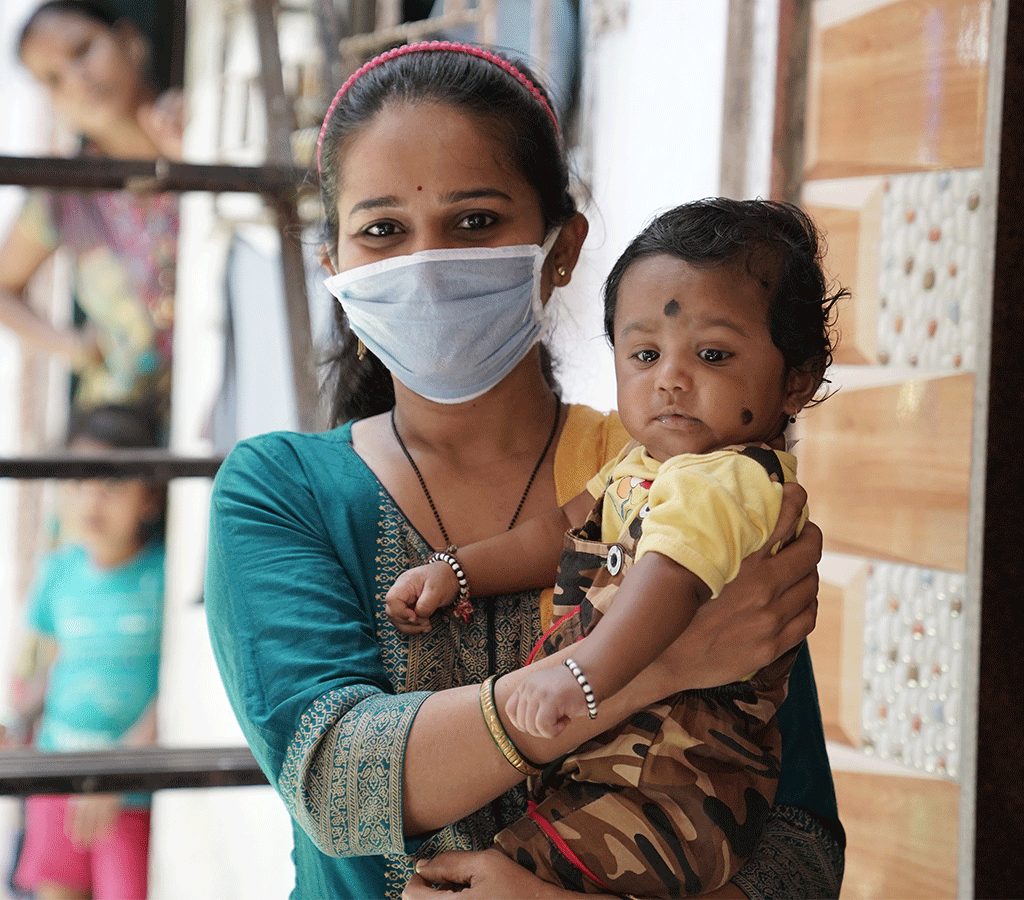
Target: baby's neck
[{"x": 779, "y": 442}]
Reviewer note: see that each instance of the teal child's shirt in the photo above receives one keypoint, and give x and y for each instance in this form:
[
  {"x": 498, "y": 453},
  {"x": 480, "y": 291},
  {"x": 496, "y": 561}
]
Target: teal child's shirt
[
  {"x": 304, "y": 544},
  {"x": 107, "y": 625}
]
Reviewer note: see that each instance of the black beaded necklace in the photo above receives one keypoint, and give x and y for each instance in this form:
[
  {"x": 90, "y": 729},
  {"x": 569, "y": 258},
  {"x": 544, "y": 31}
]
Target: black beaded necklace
[{"x": 526, "y": 490}]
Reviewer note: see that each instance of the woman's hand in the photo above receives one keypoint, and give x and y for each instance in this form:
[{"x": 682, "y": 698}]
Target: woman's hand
[
  {"x": 769, "y": 607},
  {"x": 480, "y": 873},
  {"x": 164, "y": 123}
]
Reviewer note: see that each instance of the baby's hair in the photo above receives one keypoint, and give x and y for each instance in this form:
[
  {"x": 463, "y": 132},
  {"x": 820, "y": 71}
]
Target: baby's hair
[
  {"x": 87, "y": 9},
  {"x": 478, "y": 83},
  {"x": 775, "y": 243}
]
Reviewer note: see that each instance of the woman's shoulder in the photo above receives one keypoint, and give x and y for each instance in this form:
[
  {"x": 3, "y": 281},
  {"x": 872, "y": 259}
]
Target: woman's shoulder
[{"x": 289, "y": 460}]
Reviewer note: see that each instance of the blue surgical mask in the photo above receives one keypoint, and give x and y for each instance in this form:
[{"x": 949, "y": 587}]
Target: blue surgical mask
[{"x": 449, "y": 324}]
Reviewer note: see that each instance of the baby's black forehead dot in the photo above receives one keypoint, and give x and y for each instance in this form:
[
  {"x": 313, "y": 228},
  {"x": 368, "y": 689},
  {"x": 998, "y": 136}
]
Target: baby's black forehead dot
[
  {"x": 671, "y": 308},
  {"x": 747, "y": 416}
]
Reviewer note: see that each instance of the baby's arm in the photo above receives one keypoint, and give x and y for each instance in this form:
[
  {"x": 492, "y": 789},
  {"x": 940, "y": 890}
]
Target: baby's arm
[
  {"x": 656, "y": 601},
  {"x": 521, "y": 559}
]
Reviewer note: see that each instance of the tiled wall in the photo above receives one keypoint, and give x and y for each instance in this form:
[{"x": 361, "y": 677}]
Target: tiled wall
[{"x": 894, "y": 153}]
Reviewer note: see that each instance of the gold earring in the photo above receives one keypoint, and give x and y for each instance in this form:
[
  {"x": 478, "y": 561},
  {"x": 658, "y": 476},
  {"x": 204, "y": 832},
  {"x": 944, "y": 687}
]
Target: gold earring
[
  {"x": 360, "y": 350},
  {"x": 562, "y": 271}
]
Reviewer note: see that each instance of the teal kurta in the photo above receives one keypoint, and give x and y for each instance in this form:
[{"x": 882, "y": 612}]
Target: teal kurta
[{"x": 304, "y": 544}]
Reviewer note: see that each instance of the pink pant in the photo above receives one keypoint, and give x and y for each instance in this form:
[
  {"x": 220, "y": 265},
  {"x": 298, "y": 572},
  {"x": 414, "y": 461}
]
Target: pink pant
[{"x": 114, "y": 868}]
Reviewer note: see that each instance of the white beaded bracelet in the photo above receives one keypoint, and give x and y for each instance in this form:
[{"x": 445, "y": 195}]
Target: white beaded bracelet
[
  {"x": 581, "y": 679},
  {"x": 463, "y": 607}
]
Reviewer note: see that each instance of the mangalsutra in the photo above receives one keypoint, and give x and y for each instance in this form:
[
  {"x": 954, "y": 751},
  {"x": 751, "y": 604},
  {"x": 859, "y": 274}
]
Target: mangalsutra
[{"x": 522, "y": 499}]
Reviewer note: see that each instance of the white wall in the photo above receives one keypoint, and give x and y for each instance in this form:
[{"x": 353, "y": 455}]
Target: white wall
[{"x": 652, "y": 108}]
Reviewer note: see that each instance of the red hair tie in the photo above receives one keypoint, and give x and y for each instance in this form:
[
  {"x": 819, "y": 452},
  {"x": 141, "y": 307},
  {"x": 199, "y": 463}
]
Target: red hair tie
[{"x": 432, "y": 47}]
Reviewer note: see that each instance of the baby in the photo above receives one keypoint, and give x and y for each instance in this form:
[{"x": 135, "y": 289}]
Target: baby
[{"x": 719, "y": 316}]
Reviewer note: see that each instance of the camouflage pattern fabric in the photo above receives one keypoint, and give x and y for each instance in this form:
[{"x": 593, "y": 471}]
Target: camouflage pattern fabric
[{"x": 674, "y": 800}]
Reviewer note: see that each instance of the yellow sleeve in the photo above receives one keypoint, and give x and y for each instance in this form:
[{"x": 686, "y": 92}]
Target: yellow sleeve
[{"x": 708, "y": 513}]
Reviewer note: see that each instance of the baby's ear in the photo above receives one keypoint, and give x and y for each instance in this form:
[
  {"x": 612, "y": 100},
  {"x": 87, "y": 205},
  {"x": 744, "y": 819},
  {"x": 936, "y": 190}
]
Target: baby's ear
[{"x": 800, "y": 388}]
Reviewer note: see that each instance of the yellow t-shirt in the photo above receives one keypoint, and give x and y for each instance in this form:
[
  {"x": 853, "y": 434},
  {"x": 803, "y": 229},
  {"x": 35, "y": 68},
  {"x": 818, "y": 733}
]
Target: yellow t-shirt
[{"x": 706, "y": 512}]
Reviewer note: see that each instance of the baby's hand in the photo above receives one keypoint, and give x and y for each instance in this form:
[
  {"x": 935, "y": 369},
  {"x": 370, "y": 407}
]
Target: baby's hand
[
  {"x": 418, "y": 593},
  {"x": 545, "y": 702}
]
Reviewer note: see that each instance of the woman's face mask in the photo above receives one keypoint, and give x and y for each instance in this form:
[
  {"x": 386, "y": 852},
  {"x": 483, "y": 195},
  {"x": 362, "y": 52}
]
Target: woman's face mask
[{"x": 448, "y": 324}]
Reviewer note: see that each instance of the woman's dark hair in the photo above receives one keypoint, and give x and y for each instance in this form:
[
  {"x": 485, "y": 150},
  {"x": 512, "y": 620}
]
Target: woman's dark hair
[
  {"x": 517, "y": 121},
  {"x": 88, "y": 9},
  {"x": 776, "y": 243}
]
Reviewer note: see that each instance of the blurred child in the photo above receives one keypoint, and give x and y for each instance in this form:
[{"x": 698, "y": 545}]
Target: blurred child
[{"x": 96, "y": 611}]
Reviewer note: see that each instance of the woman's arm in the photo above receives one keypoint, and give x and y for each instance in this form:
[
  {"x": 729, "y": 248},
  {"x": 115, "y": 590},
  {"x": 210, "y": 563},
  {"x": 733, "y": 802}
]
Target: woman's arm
[{"x": 21, "y": 255}]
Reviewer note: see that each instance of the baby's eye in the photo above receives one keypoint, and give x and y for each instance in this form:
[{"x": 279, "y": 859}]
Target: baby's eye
[
  {"x": 710, "y": 355},
  {"x": 476, "y": 220},
  {"x": 646, "y": 355},
  {"x": 380, "y": 229},
  {"x": 81, "y": 49}
]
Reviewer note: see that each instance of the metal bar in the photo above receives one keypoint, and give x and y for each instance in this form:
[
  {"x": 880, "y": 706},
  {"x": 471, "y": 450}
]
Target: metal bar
[
  {"x": 280, "y": 118},
  {"x": 80, "y": 174},
  {"x": 790, "y": 100},
  {"x": 329, "y": 32},
  {"x": 300, "y": 332},
  {"x": 157, "y": 464},
  {"x": 280, "y": 125},
  {"x": 145, "y": 769},
  {"x": 364, "y": 44}
]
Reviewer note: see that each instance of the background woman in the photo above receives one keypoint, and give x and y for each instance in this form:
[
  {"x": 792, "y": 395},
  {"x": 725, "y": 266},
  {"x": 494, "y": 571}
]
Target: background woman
[
  {"x": 93, "y": 66},
  {"x": 377, "y": 744}
]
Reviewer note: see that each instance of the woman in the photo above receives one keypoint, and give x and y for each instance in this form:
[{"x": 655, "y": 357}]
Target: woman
[
  {"x": 377, "y": 744},
  {"x": 93, "y": 67}
]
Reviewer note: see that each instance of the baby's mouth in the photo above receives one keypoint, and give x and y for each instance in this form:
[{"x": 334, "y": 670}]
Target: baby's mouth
[{"x": 677, "y": 419}]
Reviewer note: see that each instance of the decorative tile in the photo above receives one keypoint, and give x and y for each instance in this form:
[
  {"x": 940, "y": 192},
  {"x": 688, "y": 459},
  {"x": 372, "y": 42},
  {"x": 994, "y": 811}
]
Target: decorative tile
[
  {"x": 849, "y": 214},
  {"x": 929, "y": 284},
  {"x": 913, "y": 666},
  {"x": 837, "y": 645}
]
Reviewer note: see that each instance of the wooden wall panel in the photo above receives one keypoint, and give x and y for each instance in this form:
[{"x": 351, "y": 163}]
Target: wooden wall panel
[
  {"x": 887, "y": 470},
  {"x": 851, "y": 236},
  {"x": 837, "y": 647},
  {"x": 901, "y": 836},
  {"x": 900, "y": 88}
]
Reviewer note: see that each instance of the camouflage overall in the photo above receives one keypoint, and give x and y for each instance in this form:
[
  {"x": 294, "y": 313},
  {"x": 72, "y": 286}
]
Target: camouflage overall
[{"x": 671, "y": 802}]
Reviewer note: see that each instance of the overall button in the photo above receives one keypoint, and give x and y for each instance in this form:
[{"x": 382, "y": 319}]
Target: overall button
[{"x": 614, "y": 561}]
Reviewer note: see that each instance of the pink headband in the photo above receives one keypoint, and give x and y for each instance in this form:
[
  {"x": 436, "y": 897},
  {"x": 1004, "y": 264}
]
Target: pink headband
[{"x": 432, "y": 47}]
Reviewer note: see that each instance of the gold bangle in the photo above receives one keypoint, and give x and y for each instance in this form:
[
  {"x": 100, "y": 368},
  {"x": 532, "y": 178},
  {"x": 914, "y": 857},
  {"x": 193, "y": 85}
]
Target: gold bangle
[{"x": 498, "y": 734}]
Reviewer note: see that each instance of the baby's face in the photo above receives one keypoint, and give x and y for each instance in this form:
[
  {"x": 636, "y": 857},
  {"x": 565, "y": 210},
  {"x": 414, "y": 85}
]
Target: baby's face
[{"x": 694, "y": 360}]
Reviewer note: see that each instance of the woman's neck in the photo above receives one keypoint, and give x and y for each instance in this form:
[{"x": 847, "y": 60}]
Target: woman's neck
[
  {"x": 502, "y": 422},
  {"x": 125, "y": 138}
]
